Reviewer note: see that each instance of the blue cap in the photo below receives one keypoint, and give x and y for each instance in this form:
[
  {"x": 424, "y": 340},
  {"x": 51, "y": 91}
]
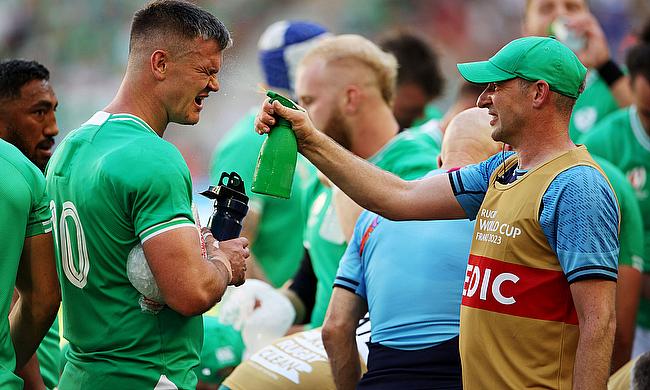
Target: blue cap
[{"x": 282, "y": 46}]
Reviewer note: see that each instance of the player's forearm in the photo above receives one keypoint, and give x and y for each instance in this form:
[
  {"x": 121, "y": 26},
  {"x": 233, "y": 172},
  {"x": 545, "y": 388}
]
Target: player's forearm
[
  {"x": 30, "y": 373},
  {"x": 622, "y": 92},
  {"x": 344, "y": 359},
  {"x": 215, "y": 280},
  {"x": 28, "y": 324},
  {"x": 594, "y": 352},
  {"x": 298, "y": 305},
  {"x": 628, "y": 293},
  {"x": 199, "y": 290}
]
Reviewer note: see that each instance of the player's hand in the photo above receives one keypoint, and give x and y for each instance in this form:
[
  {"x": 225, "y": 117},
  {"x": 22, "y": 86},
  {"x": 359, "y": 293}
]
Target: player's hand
[
  {"x": 596, "y": 51},
  {"x": 237, "y": 252},
  {"x": 300, "y": 122},
  {"x": 231, "y": 253}
]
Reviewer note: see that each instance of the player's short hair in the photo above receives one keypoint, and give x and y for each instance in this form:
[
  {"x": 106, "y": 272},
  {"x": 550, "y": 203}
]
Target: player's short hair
[
  {"x": 416, "y": 59},
  {"x": 16, "y": 72},
  {"x": 356, "y": 50},
  {"x": 177, "y": 18},
  {"x": 640, "y": 373},
  {"x": 638, "y": 57},
  {"x": 563, "y": 103}
]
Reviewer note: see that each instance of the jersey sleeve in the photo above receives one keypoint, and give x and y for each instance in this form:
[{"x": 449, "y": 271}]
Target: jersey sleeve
[
  {"x": 160, "y": 191},
  {"x": 631, "y": 235},
  {"x": 350, "y": 273},
  {"x": 40, "y": 215},
  {"x": 470, "y": 183},
  {"x": 580, "y": 217}
]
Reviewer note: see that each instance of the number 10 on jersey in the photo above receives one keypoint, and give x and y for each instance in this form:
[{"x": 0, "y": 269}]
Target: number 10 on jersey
[{"x": 70, "y": 243}]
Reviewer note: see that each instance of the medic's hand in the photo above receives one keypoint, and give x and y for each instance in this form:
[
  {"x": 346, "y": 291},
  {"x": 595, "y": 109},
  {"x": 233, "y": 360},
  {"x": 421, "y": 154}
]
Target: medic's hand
[{"x": 300, "y": 122}]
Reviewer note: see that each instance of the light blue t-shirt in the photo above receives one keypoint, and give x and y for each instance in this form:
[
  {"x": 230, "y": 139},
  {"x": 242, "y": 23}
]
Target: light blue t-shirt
[
  {"x": 411, "y": 274},
  {"x": 579, "y": 215}
]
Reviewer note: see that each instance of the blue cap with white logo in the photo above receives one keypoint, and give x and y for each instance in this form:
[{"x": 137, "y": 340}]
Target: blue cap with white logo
[{"x": 282, "y": 46}]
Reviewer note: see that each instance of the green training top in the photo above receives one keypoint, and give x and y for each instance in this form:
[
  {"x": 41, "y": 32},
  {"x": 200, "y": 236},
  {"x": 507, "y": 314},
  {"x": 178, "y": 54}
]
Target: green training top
[
  {"x": 24, "y": 212},
  {"x": 407, "y": 156},
  {"x": 631, "y": 234},
  {"x": 621, "y": 139},
  {"x": 278, "y": 244},
  {"x": 115, "y": 184},
  {"x": 430, "y": 133},
  {"x": 593, "y": 105},
  {"x": 430, "y": 112}
]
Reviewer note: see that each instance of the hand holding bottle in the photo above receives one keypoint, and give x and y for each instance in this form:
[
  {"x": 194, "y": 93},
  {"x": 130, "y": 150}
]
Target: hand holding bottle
[{"x": 231, "y": 253}]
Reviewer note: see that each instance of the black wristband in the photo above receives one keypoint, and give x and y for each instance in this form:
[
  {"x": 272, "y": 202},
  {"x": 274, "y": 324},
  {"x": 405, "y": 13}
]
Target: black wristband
[{"x": 610, "y": 72}]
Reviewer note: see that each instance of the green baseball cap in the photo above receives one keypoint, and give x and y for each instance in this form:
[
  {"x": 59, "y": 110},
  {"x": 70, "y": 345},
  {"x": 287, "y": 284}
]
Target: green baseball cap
[
  {"x": 532, "y": 59},
  {"x": 222, "y": 347}
]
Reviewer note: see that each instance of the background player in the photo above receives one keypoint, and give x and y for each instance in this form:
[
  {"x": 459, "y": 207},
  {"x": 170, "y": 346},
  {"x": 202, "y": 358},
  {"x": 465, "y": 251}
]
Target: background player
[
  {"x": 347, "y": 84},
  {"x": 26, "y": 249},
  {"x": 607, "y": 88},
  {"x": 273, "y": 226},
  {"x": 27, "y": 121}
]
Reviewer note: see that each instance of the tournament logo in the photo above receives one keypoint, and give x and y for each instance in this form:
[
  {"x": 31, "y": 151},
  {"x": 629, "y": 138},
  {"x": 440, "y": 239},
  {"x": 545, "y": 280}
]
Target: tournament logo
[
  {"x": 637, "y": 177},
  {"x": 584, "y": 118}
]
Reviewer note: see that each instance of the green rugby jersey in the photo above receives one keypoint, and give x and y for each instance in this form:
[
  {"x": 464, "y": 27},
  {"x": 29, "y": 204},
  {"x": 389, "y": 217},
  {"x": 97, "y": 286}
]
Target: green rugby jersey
[
  {"x": 430, "y": 133},
  {"x": 407, "y": 156},
  {"x": 631, "y": 233},
  {"x": 430, "y": 112},
  {"x": 278, "y": 244},
  {"x": 24, "y": 212},
  {"x": 622, "y": 140},
  {"x": 49, "y": 355},
  {"x": 593, "y": 105},
  {"x": 115, "y": 183}
]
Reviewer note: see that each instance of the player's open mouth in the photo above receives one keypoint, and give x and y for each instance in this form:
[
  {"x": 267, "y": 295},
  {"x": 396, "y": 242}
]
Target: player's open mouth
[
  {"x": 45, "y": 147},
  {"x": 199, "y": 101},
  {"x": 494, "y": 116}
]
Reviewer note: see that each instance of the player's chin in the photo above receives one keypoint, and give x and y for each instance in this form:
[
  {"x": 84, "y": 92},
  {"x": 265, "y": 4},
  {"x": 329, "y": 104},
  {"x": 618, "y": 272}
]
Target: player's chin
[
  {"x": 191, "y": 118},
  {"x": 497, "y": 134}
]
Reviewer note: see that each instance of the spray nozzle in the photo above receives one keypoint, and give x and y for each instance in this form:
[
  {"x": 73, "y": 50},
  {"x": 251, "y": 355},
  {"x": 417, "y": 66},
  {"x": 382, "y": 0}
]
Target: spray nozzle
[{"x": 283, "y": 100}]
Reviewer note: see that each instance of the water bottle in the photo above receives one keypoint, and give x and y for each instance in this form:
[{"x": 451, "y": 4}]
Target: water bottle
[
  {"x": 571, "y": 38},
  {"x": 276, "y": 162},
  {"x": 230, "y": 206}
]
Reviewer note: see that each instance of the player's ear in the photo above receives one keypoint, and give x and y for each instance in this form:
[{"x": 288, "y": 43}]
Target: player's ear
[
  {"x": 541, "y": 93},
  {"x": 159, "y": 63},
  {"x": 352, "y": 99}
]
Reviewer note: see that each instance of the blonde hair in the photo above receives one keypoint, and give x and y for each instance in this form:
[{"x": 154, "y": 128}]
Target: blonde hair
[{"x": 357, "y": 50}]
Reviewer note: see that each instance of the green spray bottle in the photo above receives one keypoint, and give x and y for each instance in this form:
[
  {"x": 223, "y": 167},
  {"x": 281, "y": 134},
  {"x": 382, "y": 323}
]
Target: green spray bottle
[{"x": 276, "y": 162}]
